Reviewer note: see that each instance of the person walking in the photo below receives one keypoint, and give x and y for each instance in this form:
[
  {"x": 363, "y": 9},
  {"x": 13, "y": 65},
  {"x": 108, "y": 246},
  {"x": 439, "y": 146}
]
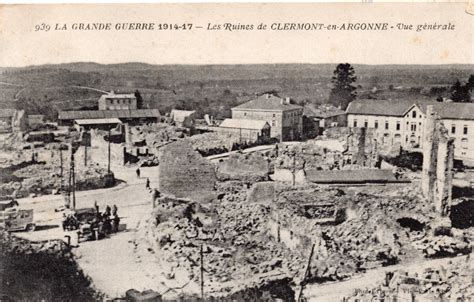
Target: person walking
[
  {"x": 96, "y": 206},
  {"x": 138, "y": 172},
  {"x": 147, "y": 183}
]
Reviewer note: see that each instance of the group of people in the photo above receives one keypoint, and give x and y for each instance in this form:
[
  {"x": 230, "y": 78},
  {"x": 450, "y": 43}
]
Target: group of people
[{"x": 106, "y": 222}]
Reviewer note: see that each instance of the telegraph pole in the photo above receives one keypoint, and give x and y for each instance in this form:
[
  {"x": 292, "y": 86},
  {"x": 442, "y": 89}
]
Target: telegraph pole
[
  {"x": 108, "y": 164},
  {"x": 86, "y": 141},
  {"x": 306, "y": 275},
  {"x": 72, "y": 178},
  {"x": 61, "y": 169},
  {"x": 202, "y": 274}
]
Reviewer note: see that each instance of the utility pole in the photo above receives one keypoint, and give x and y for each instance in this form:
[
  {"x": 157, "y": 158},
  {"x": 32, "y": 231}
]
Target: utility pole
[
  {"x": 202, "y": 274},
  {"x": 73, "y": 180},
  {"x": 293, "y": 180},
  {"x": 86, "y": 141},
  {"x": 108, "y": 162},
  {"x": 306, "y": 274},
  {"x": 61, "y": 162},
  {"x": 61, "y": 169}
]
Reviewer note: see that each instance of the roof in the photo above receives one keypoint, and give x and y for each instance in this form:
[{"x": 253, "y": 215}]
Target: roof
[
  {"x": 457, "y": 111},
  {"x": 98, "y": 121},
  {"x": 118, "y": 96},
  {"x": 7, "y": 112},
  {"x": 400, "y": 107},
  {"x": 244, "y": 124},
  {"x": 101, "y": 114},
  {"x": 181, "y": 115},
  {"x": 350, "y": 176},
  {"x": 267, "y": 102}
]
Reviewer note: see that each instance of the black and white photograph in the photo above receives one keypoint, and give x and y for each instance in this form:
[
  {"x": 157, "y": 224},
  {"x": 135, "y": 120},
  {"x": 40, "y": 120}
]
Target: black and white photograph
[{"x": 237, "y": 152}]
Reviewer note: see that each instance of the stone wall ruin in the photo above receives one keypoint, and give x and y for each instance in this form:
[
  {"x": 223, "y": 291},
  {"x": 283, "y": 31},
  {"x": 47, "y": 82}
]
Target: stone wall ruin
[
  {"x": 184, "y": 173},
  {"x": 438, "y": 158}
]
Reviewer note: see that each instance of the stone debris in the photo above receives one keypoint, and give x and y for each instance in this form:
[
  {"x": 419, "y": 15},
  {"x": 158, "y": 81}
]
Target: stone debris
[
  {"x": 244, "y": 167},
  {"x": 41, "y": 178}
]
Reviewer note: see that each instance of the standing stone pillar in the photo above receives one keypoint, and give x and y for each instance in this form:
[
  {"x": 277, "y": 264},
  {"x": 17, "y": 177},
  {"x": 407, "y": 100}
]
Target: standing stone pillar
[
  {"x": 360, "y": 155},
  {"x": 444, "y": 173},
  {"x": 429, "y": 154},
  {"x": 126, "y": 129}
]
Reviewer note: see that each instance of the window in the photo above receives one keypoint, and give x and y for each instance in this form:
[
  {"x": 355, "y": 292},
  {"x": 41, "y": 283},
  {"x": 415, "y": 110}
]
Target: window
[
  {"x": 273, "y": 123},
  {"x": 273, "y": 114},
  {"x": 413, "y": 127},
  {"x": 366, "y": 124},
  {"x": 465, "y": 130},
  {"x": 413, "y": 114},
  {"x": 453, "y": 129},
  {"x": 376, "y": 124},
  {"x": 386, "y": 125},
  {"x": 464, "y": 143},
  {"x": 355, "y": 123},
  {"x": 398, "y": 126}
]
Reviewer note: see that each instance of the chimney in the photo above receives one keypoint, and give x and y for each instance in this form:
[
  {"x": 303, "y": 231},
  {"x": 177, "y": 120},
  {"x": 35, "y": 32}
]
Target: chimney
[{"x": 287, "y": 101}]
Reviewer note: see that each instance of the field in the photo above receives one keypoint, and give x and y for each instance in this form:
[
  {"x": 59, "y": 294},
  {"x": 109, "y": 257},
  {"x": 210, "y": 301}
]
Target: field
[{"x": 212, "y": 89}]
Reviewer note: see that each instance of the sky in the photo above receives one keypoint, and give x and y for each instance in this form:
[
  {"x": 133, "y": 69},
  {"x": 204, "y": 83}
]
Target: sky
[{"x": 21, "y": 45}]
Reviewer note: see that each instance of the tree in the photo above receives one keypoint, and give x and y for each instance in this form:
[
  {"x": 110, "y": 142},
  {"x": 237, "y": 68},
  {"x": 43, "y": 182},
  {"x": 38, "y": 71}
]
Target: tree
[
  {"x": 139, "y": 98},
  {"x": 470, "y": 82},
  {"x": 343, "y": 92},
  {"x": 460, "y": 92}
]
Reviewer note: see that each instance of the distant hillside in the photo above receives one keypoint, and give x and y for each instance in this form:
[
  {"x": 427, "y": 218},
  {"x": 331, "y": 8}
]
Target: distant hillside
[{"x": 211, "y": 88}]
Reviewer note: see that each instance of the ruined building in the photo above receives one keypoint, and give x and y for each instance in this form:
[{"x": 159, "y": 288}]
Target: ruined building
[
  {"x": 184, "y": 173},
  {"x": 438, "y": 157}
]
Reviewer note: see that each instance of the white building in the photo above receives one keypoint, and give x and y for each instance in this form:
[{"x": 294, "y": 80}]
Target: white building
[
  {"x": 402, "y": 122},
  {"x": 114, "y": 101}
]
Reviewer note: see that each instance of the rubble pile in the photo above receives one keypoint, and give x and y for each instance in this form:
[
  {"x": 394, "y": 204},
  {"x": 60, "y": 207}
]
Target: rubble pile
[
  {"x": 245, "y": 167},
  {"x": 443, "y": 246},
  {"x": 232, "y": 191},
  {"x": 307, "y": 155},
  {"x": 43, "y": 271},
  {"x": 314, "y": 204},
  {"x": 449, "y": 282},
  {"x": 211, "y": 143},
  {"x": 41, "y": 178},
  {"x": 157, "y": 135},
  {"x": 238, "y": 251}
]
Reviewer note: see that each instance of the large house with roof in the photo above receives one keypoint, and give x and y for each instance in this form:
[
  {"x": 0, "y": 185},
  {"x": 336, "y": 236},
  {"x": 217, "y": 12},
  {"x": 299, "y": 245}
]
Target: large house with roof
[
  {"x": 285, "y": 119},
  {"x": 402, "y": 122}
]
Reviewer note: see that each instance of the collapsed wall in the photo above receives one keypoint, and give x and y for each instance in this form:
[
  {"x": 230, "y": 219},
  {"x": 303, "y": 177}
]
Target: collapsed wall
[{"x": 184, "y": 173}]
